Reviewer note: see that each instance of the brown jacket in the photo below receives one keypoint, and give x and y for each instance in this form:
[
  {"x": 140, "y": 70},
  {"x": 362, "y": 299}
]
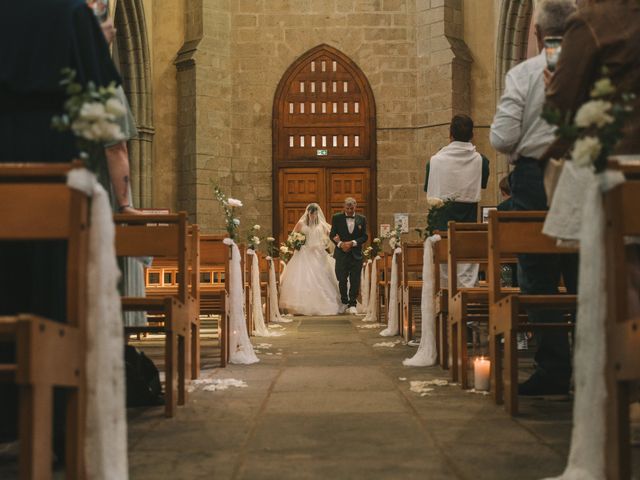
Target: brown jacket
[{"x": 600, "y": 35}]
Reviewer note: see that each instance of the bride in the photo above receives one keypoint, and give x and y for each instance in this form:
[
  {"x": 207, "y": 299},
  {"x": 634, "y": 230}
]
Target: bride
[{"x": 308, "y": 284}]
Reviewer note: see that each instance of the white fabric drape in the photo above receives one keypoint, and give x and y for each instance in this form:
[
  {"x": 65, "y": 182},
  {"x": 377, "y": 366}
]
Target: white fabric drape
[
  {"x": 274, "y": 309},
  {"x": 240, "y": 348},
  {"x": 372, "y": 308},
  {"x": 261, "y": 329},
  {"x": 106, "y": 432},
  {"x": 392, "y": 309},
  {"x": 586, "y": 456},
  {"x": 455, "y": 172},
  {"x": 427, "y": 354},
  {"x": 364, "y": 289}
]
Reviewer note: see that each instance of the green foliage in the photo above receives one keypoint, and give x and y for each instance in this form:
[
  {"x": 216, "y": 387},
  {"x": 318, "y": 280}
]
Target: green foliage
[{"x": 231, "y": 221}]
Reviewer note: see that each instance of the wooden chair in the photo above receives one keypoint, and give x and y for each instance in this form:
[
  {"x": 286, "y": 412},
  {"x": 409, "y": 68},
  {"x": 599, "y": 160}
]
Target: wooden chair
[
  {"x": 214, "y": 259},
  {"x": 622, "y": 331},
  {"x": 467, "y": 244},
  {"x": 512, "y": 233},
  {"x": 162, "y": 236},
  {"x": 411, "y": 284},
  {"x": 440, "y": 257},
  {"x": 38, "y": 205}
]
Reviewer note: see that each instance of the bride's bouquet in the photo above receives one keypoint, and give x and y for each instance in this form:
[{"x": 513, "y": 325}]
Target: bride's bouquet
[{"x": 296, "y": 240}]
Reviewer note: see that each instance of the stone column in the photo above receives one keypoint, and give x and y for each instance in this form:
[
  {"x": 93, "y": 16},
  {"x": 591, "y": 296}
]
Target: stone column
[{"x": 204, "y": 110}]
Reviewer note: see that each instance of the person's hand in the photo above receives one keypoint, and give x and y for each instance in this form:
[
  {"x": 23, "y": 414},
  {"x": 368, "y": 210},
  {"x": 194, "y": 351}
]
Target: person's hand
[
  {"x": 346, "y": 246},
  {"x": 130, "y": 211},
  {"x": 548, "y": 75},
  {"x": 336, "y": 238}
]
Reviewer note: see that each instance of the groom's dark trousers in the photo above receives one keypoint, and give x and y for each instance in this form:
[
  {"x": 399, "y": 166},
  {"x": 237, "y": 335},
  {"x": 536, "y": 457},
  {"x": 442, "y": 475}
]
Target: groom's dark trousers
[{"x": 349, "y": 264}]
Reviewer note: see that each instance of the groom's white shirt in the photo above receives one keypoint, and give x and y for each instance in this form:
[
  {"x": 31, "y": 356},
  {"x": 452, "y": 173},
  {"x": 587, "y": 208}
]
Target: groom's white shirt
[{"x": 351, "y": 226}]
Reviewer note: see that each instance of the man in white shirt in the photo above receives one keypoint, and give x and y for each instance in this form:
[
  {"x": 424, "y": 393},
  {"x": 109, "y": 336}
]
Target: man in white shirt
[{"x": 520, "y": 132}]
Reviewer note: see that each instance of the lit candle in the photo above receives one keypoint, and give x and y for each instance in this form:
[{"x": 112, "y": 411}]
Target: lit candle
[{"x": 481, "y": 369}]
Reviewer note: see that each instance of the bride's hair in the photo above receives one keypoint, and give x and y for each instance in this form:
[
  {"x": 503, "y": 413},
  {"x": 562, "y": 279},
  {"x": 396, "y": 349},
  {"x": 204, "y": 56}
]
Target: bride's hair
[{"x": 312, "y": 208}]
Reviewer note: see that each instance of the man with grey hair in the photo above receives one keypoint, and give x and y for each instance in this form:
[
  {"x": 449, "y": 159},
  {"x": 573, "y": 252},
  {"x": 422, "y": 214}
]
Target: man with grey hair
[
  {"x": 519, "y": 131},
  {"x": 349, "y": 233}
]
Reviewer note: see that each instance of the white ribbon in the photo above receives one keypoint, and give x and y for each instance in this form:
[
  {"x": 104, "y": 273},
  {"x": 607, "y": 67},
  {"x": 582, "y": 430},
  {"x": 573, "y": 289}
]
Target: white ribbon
[
  {"x": 372, "y": 308},
  {"x": 361, "y": 307},
  {"x": 275, "y": 315},
  {"x": 240, "y": 348},
  {"x": 106, "y": 433},
  {"x": 427, "y": 354},
  {"x": 261, "y": 329},
  {"x": 586, "y": 456},
  {"x": 392, "y": 309}
]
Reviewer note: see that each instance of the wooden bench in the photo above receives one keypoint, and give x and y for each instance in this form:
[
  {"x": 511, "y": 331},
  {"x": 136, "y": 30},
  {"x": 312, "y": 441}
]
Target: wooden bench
[
  {"x": 510, "y": 234},
  {"x": 467, "y": 244},
  {"x": 162, "y": 236},
  {"x": 214, "y": 259},
  {"x": 411, "y": 285},
  {"x": 38, "y": 205},
  {"x": 440, "y": 257},
  {"x": 162, "y": 280},
  {"x": 622, "y": 331}
]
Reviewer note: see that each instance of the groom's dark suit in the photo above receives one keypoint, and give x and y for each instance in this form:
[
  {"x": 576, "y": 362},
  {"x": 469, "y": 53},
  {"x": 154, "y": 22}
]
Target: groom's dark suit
[{"x": 349, "y": 264}]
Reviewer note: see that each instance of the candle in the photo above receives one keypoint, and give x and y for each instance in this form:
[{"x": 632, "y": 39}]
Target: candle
[{"x": 481, "y": 369}]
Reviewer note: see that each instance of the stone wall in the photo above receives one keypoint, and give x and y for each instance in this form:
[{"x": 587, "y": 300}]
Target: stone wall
[{"x": 425, "y": 60}]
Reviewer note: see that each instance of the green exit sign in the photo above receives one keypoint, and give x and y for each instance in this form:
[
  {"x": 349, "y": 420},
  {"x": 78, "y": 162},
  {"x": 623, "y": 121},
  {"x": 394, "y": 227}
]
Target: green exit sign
[{"x": 322, "y": 153}]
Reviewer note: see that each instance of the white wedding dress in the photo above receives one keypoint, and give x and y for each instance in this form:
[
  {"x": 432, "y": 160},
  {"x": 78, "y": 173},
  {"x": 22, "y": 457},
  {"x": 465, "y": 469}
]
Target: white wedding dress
[{"x": 308, "y": 284}]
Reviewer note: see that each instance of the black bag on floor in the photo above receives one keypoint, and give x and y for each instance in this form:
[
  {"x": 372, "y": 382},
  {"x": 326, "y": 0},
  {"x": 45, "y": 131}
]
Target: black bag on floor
[{"x": 143, "y": 379}]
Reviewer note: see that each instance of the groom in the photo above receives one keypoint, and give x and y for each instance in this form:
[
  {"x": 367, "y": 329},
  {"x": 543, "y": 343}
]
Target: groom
[{"x": 349, "y": 233}]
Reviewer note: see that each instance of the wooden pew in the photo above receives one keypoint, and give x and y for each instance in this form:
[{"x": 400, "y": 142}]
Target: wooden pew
[
  {"x": 440, "y": 257},
  {"x": 622, "y": 330},
  {"x": 512, "y": 233},
  {"x": 162, "y": 280},
  {"x": 214, "y": 259},
  {"x": 37, "y": 205},
  {"x": 411, "y": 285},
  {"x": 162, "y": 236},
  {"x": 467, "y": 244}
]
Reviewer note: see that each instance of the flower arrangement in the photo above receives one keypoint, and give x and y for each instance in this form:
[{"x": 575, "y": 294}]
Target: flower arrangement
[
  {"x": 272, "y": 250},
  {"x": 91, "y": 114},
  {"x": 394, "y": 237},
  {"x": 285, "y": 252},
  {"x": 597, "y": 125},
  {"x": 229, "y": 205},
  {"x": 253, "y": 240},
  {"x": 437, "y": 211},
  {"x": 372, "y": 250}
]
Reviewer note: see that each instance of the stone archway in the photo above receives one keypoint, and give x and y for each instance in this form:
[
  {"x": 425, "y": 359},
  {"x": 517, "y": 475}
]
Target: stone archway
[
  {"x": 131, "y": 54},
  {"x": 513, "y": 34}
]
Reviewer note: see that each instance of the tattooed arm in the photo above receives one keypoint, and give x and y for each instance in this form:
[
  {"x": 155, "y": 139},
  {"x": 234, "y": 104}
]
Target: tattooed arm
[{"x": 118, "y": 164}]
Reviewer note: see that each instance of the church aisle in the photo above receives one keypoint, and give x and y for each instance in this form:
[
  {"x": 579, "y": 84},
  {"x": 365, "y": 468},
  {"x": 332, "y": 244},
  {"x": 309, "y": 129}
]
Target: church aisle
[{"x": 325, "y": 403}]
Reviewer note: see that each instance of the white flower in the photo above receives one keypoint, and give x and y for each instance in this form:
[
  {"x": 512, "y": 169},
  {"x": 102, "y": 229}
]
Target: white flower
[
  {"x": 595, "y": 113},
  {"x": 393, "y": 242},
  {"x": 233, "y": 202},
  {"x": 271, "y": 239},
  {"x": 602, "y": 88},
  {"x": 92, "y": 111},
  {"x": 256, "y": 227},
  {"x": 586, "y": 150},
  {"x": 284, "y": 249},
  {"x": 114, "y": 107},
  {"x": 376, "y": 240},
  {"x": 255, "y": 240},
  {"x": 236, "y": 221},
  {"x": 434, "y": 202}
]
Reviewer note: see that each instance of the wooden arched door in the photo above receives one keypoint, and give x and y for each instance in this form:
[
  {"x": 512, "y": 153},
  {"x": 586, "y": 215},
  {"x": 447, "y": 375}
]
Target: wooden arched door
[{"x": 324, "y": 139}]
